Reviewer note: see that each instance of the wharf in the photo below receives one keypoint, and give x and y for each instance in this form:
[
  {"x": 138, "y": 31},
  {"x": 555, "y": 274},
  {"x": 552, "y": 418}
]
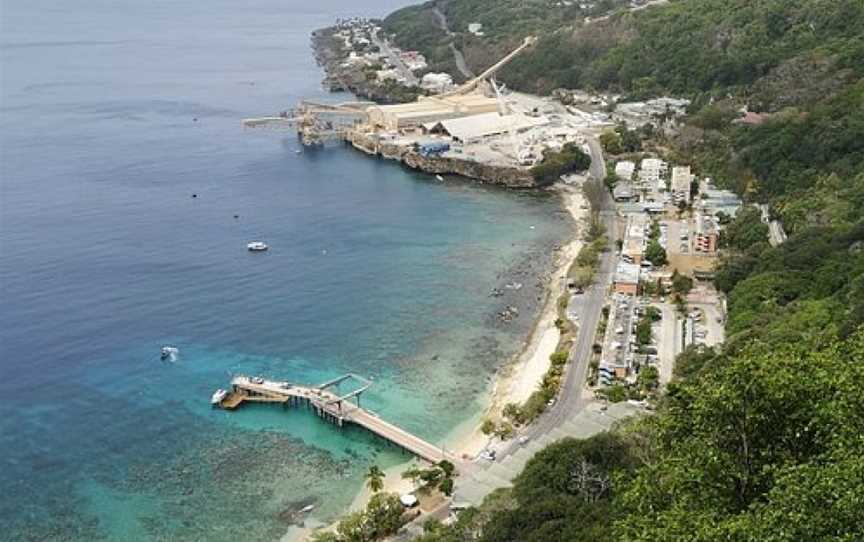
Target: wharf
[{"x": 337, "y": 409}]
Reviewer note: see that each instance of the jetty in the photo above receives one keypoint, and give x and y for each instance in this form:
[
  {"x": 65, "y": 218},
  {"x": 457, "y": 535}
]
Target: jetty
[{"x": 331, "y": 407}]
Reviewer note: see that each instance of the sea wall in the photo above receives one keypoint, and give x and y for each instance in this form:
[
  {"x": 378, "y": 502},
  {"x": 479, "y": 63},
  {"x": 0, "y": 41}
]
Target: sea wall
[{"x": 508, "y": 176}]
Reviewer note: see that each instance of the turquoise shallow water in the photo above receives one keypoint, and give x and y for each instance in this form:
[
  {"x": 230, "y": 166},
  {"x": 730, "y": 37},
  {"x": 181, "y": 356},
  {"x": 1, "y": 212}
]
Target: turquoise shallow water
[{"x": 114, "y": 115}]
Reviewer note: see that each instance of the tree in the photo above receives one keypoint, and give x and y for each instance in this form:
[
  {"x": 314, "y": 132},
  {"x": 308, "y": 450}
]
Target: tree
[
  {"x": 413, "y": 474},
  {"x": 648, "y": 378},
  {"x": 681, "y": 284},
  {"x": 487, "y": 427},
  {"x": 446, "y": 486},
  {"x": 375, "y": 479},
  {"x": 656, "y": 254}
]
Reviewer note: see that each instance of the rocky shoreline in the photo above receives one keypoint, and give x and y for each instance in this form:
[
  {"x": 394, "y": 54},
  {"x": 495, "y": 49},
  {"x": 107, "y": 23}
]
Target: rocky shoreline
[
  {"x": 330, "y": 55},
  {"x": 506, "y": 176}
]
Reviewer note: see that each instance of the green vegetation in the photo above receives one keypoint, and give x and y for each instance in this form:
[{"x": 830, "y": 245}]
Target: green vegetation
[
  {"x": 375, "y": 479},
  {"x": 554, "y": 164},
  {"x": 681, "y": 284},
  {"x": 538, "y": 401},
  {"x": 381, "y": 517},
  {"x": 439, "y": 476},
  {"x": 759, "y": 439},
  {"x": 656, "y": 254},
  {"x": 746, "y": 450}
]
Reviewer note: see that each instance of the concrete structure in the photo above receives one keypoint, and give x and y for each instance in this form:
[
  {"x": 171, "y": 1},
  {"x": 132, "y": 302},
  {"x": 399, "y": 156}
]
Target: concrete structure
[
  {"x": 714, "y": 201},
  {"x": 624, "y": 170},
  {"x": 707, "y": 234},
  {"x": 332, "y": 407},
  {"x": 626, "y": 280},
  {"x": 635, "y": 237},
  {"x": 474, "y": 127},
  {"x": 681, "y": 180},
  {"x": 623, "y": 191},
  {"x": 475, "y": 28},
  {"x": 429, "y": 109},
  {"x": 436, "y": 82},
  {"x": 652, "y": 171}
]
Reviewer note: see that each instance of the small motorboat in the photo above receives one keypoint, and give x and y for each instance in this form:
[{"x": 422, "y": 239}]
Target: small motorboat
[
  {"x": 257, "y": 246},
  {"x": 169, "y": 353},
  {"x": 307, "y": 509},
  {"x": 218, "y": 396},
  {"x": 440, "y": 178}
]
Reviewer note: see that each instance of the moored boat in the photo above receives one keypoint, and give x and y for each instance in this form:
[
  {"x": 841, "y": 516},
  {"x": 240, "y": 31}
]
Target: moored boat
[{"x": 218, "y": 396}]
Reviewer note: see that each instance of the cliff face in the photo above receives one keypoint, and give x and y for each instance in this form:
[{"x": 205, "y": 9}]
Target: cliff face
[{"x": 510, "y": 177}]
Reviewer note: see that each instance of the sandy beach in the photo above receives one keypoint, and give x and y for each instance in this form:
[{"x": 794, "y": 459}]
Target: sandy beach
[{"x": 516, "y": 380}]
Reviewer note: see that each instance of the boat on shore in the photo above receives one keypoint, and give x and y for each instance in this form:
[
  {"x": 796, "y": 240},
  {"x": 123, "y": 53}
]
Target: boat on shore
[{"x": 257, "y": 246}]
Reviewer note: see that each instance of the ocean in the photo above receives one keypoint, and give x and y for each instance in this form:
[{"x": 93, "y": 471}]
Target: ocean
[{"x": 114, "y": 115}]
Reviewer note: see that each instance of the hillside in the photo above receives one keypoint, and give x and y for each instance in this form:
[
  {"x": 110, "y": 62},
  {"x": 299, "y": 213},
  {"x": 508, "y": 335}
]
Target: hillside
[{"x": 762, "y": 439}]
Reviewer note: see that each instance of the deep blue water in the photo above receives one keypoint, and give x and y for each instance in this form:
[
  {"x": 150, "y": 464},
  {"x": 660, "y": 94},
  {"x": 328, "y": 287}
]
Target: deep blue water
[{"x": 113, "y": 115}]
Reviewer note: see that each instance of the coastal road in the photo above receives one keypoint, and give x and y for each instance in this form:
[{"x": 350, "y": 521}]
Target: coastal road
[
  {"x": 408, "y": 75},
  {"x": 570, "y": 400}
]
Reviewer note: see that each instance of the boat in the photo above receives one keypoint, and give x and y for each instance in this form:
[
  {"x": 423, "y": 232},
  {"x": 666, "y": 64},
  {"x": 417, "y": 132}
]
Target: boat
[
  {"x": 307, "y": 509},
  {"x": 440, "y": 178},
  {"x": 257, "y": 246},
  {"x": 218, "y": 396},
  {"x": 169, "y": 353}
]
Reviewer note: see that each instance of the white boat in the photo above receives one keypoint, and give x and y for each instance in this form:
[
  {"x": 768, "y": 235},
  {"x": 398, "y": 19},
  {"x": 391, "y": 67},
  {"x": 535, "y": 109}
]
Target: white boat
[
  {"x": 257, "y": 246},
  {"x": 440, "y": 178},
  {"x": 307, "y": 509},
  {"x": 218, "y": 396},
  {"x": 169, "y": 352}
]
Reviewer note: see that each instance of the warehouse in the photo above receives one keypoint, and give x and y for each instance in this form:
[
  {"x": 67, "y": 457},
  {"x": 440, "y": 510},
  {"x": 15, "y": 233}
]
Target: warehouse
[
  {"x": 474, "y": 127},
  {"x": 430, "y": 109}
]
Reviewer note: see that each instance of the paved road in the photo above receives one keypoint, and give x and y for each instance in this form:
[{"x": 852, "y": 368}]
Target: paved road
[
  {"x": 569, "y": 400},
  {"x": 408, "y": 75},
  {"x": 461, "y": 65}
]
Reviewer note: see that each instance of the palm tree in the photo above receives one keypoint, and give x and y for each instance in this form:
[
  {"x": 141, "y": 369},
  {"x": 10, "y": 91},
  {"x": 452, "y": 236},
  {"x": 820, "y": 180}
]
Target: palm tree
[{"x": 375, "y": 479}]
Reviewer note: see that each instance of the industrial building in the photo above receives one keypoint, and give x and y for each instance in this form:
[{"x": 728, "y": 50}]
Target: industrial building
[
  {"x": 429, "y": 109},
  {"x": 474, "y": 127}
]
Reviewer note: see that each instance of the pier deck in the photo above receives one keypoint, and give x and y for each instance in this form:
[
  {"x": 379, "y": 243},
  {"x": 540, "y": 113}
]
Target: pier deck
[{"x": 332, "y": 407}]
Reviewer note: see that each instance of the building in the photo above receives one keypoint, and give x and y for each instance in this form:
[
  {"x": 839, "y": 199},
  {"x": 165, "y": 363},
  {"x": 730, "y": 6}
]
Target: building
[
  {"x": 652, "y": 171},
  {"x": 623, "y": 191},
  {"x": 436, "y": 82},
  {"x": 624, "y": 170},
  {"x": 627, "y": 278},
  {"x": 707, "y": 234},
  {"x": 681, "y": 181},
  {"x": 475, "y": 28},
  {"x": 474, "y": 127},
  {"x": 714, "y": 201},
  {"x": 429, "y": 109},
  {"x": 633, "y": 248}
]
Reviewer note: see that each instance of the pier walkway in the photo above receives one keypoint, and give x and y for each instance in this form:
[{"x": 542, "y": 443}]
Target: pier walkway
[{"x": 332, "y": 407}]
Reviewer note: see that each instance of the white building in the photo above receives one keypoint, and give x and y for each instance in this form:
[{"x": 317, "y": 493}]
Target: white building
[
  {"x": 681, "y": 180},
  {"x": 652, "y": 171},
  {"x": 436, "y": 82},
  {"x": 624, "y": 170},
  {"x": 475, "y": 28}
]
